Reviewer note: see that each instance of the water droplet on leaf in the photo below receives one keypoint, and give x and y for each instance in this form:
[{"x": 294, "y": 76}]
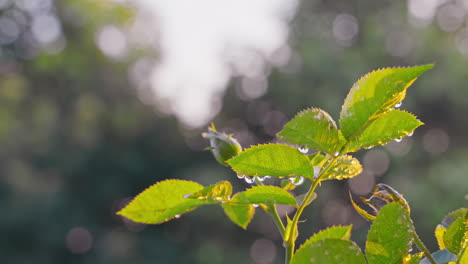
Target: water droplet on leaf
[
  {"x": 398, "y": 105},
  {"x": 303, "y": 150},
  {"x": 398, "y": 140},
  {"x": 249, "y": 180},
  {"x": 177, "y": 216},
  {"x": 298, "y": 180}
]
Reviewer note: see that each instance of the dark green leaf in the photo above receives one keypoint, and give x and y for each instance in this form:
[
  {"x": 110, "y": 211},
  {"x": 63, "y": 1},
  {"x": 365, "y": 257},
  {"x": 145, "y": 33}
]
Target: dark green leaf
[
  {"x": 163, "y": 201},
  {"x": 275, "y": 160},
  {"x": 390, "y": 236},
  {"x": 373, "y": 95},
  {"x": 329, "y": 251},
  {"x": 313, "y": 128}
]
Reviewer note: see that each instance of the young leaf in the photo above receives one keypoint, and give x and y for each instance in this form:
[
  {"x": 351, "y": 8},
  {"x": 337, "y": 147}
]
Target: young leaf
[
  {"x": 390, "y": 236},
  {"x": 454, "y": 238},
  {"x": 338, "y": 232},
  {"x": 441, "y": 256},
  {"x": 390, "y": 126},
  {"x": 276, "y": 160},
  {"x": 345, "y": 167},
  {"x": 313, "y": 128},
  {"x": 220, "y": 191},
  {"x": 373, "y": 95},
  {"x": 263, "y": 195},
  {"x": 413, "y": 259},
  {"x": 239, "y": 214},
  {"x": 163, "y": 201},
  {"x": 463, "y": 257},
  {"x": 329, "y": 251},
  {"x": 439, "y": 234}
]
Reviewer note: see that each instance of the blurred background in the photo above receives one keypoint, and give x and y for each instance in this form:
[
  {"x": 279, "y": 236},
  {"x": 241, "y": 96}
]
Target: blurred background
[{"x": 100, "y": 99}]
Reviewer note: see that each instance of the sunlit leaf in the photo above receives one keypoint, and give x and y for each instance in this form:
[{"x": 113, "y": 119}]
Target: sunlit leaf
[
  {"x": 220, "y": 191},
  {"x": 338, "y": 232},
  {"x": 413, "y": 259},
  {"x": 373, "y": 95},
  {"x": 392, "y": 125},
  {"x": 313, "y": 128},
  {"x": 439, "y": 234},
  {"x": 263, "y": 195},
  {"x": 454, "y": 237},
  {"x": 163, "y": 201},
  {"x": 454, "y": 215},
  {"x": 345, "y": 167},
  {"x": 390, "y": 236},
  {"x": 239, "y": 214},
  {"x": 329, "y": 251},
  {"x": 275, "y": 160}
]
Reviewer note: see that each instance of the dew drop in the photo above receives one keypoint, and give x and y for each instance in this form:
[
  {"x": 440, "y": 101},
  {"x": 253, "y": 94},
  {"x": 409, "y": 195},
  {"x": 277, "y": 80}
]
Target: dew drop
[
  {"x": 303, "y": 150},
  {"x": 298, "y": 180},
  {"x": 398, "y": 140},
  {"x": 337, "y": 153},
  {"x": 187, "y": 195},
  {"x": 316, "y": 171},
  {"x": 249, "y": 180},
  {"x": 398, "y": 105},
  {"x": 255, "y": 205},
  {"x": 261, "y": 178},
  {"x": 240, "y": 176},
  {"x": 410, "y": 134},
  {"x": 177, "y": 216}
]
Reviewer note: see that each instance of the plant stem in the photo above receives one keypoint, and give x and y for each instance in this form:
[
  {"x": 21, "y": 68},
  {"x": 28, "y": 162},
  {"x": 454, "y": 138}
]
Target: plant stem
[
  {"x": 291, "y": 241},
  {"x": 422, "y": 247},
  {"x": 274, "y": 214}
]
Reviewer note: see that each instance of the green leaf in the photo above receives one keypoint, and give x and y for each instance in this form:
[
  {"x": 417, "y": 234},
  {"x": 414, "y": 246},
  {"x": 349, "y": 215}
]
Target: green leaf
[
  {"x": 390, "y": 126},
  {"x": 218, "y": 192},
  {"x": 373, "y": 95},
  {"x": 163, "y": 201},
  {"x": 239, "y": 214},
  {"x": 345, "y": 167},
  {"x": 390, "y": 236},
  {"x": 275, "y": 160},
  {"x": 313, "y": 128},
  {"x": 454, "y": 215},
  {"x": 455, "y": 234},
  {"x": 441, "y": 256},
  {"x": 329, "y": 251},
  {"x": 263, "y": 195},
  {"x": 338, "y": 232}
]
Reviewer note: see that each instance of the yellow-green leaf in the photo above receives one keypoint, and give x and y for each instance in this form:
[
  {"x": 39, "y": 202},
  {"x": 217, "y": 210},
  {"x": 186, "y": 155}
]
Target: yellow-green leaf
[
  {"x": 219, "y": 192},
  {"x": 275, "y": 160},
  {"x": 345, "y": 167},
  {"x": 439, "y": 234},
  {"x": 329, "y": 251},
  {"x": 313, "y": 128},
  {"x": 373, "y": 95},
  {"x": 163, "y": 201},
  {"x": 263, "y": 195},
  {"x": 390, "y": 236},
  {"x": 338, "y": 232},
  {"x": 239, "y": 214},
  {"x": 454, "y": 237},
  {"x": 391, "y": 125}
]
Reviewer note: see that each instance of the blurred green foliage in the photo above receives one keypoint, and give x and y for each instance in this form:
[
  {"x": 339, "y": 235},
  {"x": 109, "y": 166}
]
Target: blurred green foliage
[{"x": 76, "y": 142}]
